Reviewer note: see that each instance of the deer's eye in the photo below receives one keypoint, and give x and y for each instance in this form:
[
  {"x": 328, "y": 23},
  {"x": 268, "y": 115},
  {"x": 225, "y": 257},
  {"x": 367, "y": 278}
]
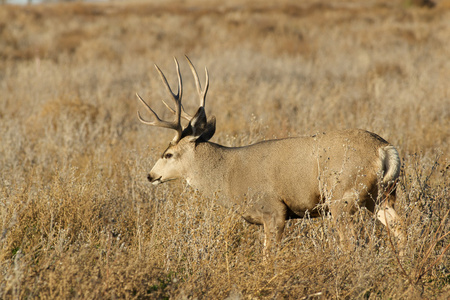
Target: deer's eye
[{"x": 168, "y": 155}]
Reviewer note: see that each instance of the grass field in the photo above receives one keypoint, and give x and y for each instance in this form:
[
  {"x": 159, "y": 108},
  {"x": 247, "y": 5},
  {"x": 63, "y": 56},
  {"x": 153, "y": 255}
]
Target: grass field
[{"x": 78, "y": 217}]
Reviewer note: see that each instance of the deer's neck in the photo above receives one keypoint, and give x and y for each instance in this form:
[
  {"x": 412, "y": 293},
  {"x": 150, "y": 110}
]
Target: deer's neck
[{"x": 208, "y": 168}]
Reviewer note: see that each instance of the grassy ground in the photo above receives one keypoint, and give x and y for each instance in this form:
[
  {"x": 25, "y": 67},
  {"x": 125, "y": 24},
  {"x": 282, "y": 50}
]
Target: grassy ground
[{"x": 78, "y": 218}]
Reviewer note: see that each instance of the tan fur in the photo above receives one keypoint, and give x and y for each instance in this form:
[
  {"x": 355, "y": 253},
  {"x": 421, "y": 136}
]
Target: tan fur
[{"x": 278, "y": 179}]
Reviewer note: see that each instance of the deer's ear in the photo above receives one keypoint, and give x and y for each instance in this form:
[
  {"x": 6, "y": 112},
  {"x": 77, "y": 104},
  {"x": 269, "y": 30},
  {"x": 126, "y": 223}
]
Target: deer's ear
[
  {"x": 198, "y": 122},
  {"x": 199, "y": 129},
  {"x": 209, "y": 130}
]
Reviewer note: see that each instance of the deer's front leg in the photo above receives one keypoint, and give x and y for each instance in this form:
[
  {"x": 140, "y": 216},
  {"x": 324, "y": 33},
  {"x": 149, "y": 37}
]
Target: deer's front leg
[
  {"x": 271, "y": 213},
  {"x": 273, "y": 230}
]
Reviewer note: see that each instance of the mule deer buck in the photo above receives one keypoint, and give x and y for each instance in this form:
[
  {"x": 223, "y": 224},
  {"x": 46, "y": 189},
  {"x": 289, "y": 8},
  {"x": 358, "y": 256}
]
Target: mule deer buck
[{"x": 291, "y": 177}]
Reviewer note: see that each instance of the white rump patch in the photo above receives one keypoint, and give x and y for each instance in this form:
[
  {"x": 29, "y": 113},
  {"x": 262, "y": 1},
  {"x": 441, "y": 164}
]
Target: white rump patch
[{"x": 389, "y": 163}]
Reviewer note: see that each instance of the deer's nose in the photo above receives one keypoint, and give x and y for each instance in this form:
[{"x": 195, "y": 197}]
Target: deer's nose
[{"x": 153, "y": 179}]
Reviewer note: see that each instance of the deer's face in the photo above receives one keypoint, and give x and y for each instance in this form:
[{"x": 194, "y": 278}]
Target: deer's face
[
  {"x": 176, "y": 161},
  {"x": 172, "y": 164}
]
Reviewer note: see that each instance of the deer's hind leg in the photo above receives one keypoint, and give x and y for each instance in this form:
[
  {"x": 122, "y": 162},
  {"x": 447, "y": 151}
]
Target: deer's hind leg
[
  {"x": 383, "y": 208},
  {"x": 389, "y": 217},
  {"x": 342, "y": 211}
]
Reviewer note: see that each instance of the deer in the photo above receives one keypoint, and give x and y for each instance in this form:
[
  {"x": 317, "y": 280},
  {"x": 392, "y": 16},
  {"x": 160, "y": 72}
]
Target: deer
[{"x": 292, "y": 177}]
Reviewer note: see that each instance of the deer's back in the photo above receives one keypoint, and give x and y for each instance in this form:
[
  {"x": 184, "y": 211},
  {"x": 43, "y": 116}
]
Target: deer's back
[{"x": 299, "y": 170}]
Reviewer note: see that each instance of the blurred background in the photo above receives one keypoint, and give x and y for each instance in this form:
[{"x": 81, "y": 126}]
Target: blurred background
[{"x": 78, "y": 217}]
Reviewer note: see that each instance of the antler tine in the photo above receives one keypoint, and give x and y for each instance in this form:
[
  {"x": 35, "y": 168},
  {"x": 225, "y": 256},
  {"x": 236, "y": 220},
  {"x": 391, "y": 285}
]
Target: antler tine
[
  {"x": 176, "y": 98},
  {"x": 184, "y": 114},
  {"x": 176, "y": 124},
  {"x": 159, "y": 122},
  {"x": 201, "y": 93}
]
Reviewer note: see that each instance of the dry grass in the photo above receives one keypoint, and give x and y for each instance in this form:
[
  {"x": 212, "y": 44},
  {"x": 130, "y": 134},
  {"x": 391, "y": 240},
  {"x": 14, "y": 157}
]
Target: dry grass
[{"x": 78, "y": 218}]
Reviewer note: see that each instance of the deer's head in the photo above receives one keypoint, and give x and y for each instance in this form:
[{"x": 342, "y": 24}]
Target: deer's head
[{"x": 175, "y": 160}]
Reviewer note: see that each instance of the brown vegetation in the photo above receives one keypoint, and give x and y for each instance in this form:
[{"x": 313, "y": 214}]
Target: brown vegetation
[{"x": 78, "y": 217}]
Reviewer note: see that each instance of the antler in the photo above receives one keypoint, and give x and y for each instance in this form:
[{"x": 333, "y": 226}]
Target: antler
[
  {"x": 202, "y": 94},
  {"x": 184, "y": 114},
  {"x": 179, "y": 109},
  {"x": 176, "y": 123}
]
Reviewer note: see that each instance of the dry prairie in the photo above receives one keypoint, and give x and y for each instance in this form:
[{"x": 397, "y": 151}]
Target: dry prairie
[{"x": 78, "y": 217}]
